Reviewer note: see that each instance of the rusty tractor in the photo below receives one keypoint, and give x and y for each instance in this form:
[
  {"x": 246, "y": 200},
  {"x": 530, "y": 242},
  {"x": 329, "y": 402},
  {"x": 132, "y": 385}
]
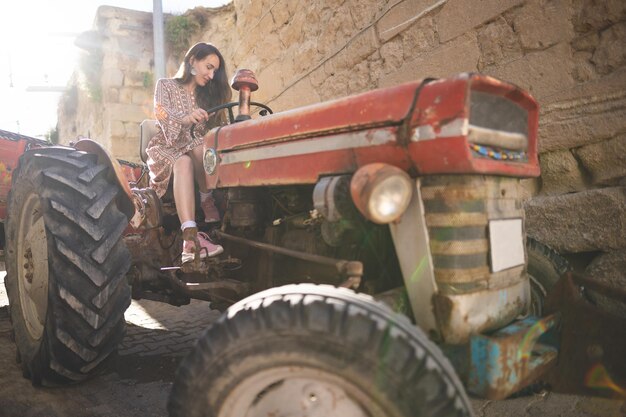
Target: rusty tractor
[{"x": 376, "y": 261}]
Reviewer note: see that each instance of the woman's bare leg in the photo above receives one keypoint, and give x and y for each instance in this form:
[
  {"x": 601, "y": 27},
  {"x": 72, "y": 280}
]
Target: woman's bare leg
[
  {"x": 196, "y": 156},
  {"x": 184, "y": 196}
]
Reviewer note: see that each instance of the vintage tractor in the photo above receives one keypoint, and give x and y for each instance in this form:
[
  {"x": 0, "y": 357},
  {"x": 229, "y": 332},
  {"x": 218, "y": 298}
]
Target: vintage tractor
[{"x": 375, "y": 255}]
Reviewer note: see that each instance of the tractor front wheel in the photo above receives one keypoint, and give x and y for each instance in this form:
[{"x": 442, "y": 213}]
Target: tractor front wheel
[
  {"x": 66, "y": 265},
  {"x": 315, "y": 350}
]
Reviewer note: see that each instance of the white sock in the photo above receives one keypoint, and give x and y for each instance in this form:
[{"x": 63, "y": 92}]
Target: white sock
[
  {"x": 188, "y": 223},
  {"x": 204, "y": 196}
]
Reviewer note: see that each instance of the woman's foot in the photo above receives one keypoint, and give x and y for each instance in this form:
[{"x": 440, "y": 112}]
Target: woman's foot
[{"x": 207, "y": 248}]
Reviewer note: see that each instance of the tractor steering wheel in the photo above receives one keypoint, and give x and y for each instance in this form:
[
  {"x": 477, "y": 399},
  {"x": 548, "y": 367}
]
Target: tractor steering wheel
[{"x": 231, "y": 116}]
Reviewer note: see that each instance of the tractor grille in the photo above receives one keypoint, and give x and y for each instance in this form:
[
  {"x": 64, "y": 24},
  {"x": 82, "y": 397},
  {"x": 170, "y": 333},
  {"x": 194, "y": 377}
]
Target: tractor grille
[{"x": 458, "y": 210}]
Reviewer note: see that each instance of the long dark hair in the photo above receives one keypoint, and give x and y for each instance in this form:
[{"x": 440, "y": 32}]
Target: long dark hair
[{"x": 215, "y": 92}]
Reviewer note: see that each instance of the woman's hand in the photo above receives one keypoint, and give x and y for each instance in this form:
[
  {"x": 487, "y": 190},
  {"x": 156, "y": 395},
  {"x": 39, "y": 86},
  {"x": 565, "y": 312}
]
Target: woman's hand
[{"x": 195, "y": 117}]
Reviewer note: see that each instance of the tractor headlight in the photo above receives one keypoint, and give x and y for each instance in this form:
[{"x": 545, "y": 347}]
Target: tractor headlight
[
  {"x": 210, "y": 161},
  {"x": 381, "y": 192}
]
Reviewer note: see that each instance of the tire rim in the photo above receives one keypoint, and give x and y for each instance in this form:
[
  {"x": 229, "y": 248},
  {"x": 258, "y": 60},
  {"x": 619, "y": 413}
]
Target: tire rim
[
  {"x": 295, "y": 391},
  {"x": 32, "y": 268}
]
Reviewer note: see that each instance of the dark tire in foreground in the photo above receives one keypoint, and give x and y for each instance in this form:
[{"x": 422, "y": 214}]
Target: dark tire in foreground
[
  {"x": 315, "y": 350},
  {"x": 66, "y": 265},
  {"x": 545, "y": 267}
]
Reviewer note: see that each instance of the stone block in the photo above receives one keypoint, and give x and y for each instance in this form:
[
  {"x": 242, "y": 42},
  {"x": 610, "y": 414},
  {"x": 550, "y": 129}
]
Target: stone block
[
  {"x": 364, "y": 12},
  {"x": 292, "y": 33},
  {"x": 111, "y": 95},
  {"x": 608, "y": 269},
  {"x": 560, "y": 173},
  {"x": 437, "y": 63},
  {"x": 360, "y": 80},
  {"x": 587, "y": 42},
  {"x": 542, "y": 73},
  {"x": 281, "y": 15},
  {"x": 529, "y": 188},
  {"x": 392, "y": 55},
  {"x": 268, "y": 49},
  {"x": 142, "y": 97},
  {"x": 359, "y": 48},
  {"x": 498, "y": 42},
  {"x": 305, "y": 55},
  {"x": 584, "y": 70},
  {"x": 594, "y": 15},
  {"x": 338, "y": 29},
  {"x": 375, "y": 62},
  {"x": 335, "y": 86},
  {"x": 541, "y": 24},
  {"x": 248, "y": 13},
  {"x": 610, "y": 53},
  {"x": 134, "y": 79},
  {"x": 605, "y": 161},
  {"x": 593, "y": 220},
  {"x": 126, "y": 95},
  {"x": 585, "y": 114},
  {"x": 316, "y": 16},
  {"x": 112, "y": 77},
  {"x": 300, "y": 94},
  {"x": 125, "y": 113},
  {"x": 318, "y": 77},
  {"x": 420, "y": 37},
  {"x": 460, "y": 16},
  {"x": 400, "y": 17},
  {"x": 270, "y": 80},
  {"x": 117, "y": 129}
]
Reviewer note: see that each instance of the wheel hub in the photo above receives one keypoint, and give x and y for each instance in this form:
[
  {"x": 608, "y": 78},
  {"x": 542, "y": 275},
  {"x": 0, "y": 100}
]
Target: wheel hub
[
  {"x": 33, "y": 275},
  {"x": 296, "y": 392}
]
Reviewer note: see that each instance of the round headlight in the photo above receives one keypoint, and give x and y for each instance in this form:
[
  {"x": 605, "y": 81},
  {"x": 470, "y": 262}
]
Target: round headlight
[
  {"x": 210, "y": 161},
  {"x": 381, "y": 192},
  {"x": 390, "y": 198}
]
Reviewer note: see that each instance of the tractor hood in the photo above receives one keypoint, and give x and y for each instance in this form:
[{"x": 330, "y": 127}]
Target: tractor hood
[{"x": 466, "y": 124}]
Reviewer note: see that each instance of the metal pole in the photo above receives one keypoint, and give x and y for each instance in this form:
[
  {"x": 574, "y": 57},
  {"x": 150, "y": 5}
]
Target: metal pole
[{"x": 157, "y": 31}]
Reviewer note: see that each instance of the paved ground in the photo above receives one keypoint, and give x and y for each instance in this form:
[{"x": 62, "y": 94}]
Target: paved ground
[{"x": 138, "y": 381}]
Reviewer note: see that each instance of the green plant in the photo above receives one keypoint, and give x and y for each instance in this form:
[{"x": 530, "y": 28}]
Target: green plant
[
  {"x": 94, "y": 92},
  {"x": 148, "y": 79},
  {"x": 52, "y": 135},
  {"x": 91, "y": 66},
  {"x": 179, "y": 30},
  {"x": 70, "y": 100}
]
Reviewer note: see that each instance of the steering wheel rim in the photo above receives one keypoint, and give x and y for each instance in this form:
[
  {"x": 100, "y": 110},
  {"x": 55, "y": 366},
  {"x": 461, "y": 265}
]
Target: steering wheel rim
[
  {"x": 231, "y": 115},
  {"x": 232, "y": 104}
]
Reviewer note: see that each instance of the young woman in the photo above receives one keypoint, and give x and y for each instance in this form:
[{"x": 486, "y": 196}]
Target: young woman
[{"x": 180, "y": 103}]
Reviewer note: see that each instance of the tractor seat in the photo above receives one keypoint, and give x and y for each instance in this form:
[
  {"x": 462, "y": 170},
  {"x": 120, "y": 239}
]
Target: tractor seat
[{"x": 149, "y": 128}]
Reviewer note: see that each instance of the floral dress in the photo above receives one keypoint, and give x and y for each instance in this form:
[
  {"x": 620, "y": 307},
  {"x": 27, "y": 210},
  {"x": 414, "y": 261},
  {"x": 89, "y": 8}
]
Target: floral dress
[{"x": 172, "y": 102}]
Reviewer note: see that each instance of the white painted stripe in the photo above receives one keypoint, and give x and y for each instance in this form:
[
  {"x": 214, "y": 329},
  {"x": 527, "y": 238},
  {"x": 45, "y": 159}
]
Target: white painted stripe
[
  {"x": 457, "y": 127},
  {"x": 338, "y": 142},
  {"x": 475, "y": 134}
]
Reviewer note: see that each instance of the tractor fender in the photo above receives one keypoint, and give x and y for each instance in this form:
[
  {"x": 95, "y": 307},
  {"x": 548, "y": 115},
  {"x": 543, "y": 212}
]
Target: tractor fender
[{"x": 125, "y": 200}]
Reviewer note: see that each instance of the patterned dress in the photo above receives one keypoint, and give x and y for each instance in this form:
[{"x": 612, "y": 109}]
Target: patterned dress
[{"x": 172, "y": 102}]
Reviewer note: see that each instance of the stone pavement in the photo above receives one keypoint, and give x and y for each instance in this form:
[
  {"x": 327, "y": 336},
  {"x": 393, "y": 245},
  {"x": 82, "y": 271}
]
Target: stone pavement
[{"x": 137, "y": 382}]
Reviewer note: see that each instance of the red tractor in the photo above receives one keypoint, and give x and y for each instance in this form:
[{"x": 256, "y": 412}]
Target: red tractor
[{"x": 375, "y": 255}]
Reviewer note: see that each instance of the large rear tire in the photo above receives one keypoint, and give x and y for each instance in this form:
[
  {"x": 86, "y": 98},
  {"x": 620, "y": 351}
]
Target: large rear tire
[
  {"x": 545, "y": 267},
  {"x": 309, "y": 350},
  {"x": 66, "y": 265}
]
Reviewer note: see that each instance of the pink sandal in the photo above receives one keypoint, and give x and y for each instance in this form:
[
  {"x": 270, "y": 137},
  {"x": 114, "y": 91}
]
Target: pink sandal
[{"x": 207, "y": 248}]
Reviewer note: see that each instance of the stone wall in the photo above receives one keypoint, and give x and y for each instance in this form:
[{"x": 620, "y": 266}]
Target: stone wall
[
  {"x": 570, "y": 54},
  {"x": 114, "y": 82}
]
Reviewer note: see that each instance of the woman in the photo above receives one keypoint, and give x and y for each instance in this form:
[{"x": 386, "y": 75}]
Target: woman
[{"x": 180, "y": 103}]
